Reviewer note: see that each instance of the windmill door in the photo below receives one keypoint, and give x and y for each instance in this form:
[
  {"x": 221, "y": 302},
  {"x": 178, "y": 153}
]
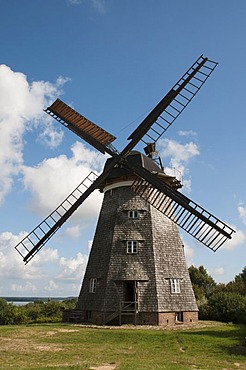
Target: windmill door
[{"x": 130, "y": 292}]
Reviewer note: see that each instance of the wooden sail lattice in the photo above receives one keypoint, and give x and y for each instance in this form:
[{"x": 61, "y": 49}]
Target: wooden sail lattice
[
  {"x": 194, "y": 219},
  {"x": 188, "y": 215},
  {"x": 173, "y": 104},
  {"x": 39, "y": 236}
]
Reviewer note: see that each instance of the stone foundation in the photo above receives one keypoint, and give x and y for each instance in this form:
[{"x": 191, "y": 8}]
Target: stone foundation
[{"x": 141, "y": 318}]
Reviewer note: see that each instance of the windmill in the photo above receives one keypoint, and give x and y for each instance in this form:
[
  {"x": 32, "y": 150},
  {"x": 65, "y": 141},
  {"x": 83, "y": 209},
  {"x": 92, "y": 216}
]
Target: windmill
[{"x": 136, "y": 271}]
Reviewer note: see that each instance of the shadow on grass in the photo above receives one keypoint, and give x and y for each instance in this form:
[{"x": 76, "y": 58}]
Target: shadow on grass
[{"x": 231, "y": 340}]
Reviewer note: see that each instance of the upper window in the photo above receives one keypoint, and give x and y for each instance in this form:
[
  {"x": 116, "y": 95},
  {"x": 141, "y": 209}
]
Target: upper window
[
  {"x": 132, "y": 246},
  {"x": 133, "y": 214},
  {"x": 175, "y": 285},
  {"x": 92, "y": 286}
]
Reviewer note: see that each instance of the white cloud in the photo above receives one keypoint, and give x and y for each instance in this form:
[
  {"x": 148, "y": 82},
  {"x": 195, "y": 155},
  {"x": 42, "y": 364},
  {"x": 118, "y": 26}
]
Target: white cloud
[
  {"x": 89, "y": 245},
  {"x": 21, "y": 109},
  {"x": 179, "y": 156},
  {"x": 52, "y": 286},
  {"x": 218, "y": 271},
  {"x": 73, "y": 231},
  {"x": 26, "y": 288},
  {"x": 73, "y": 268},
  {"x": 51, "y": 137},
  {"x": 46, "y": 272},
  {"x": 187, "y": 133},
  {"x": 178, "y": 152},
  {"x": 238, "y": 238},
  {"x": 11, "y": 263},
  {"x": 45, "y": 255},
  {"x": 55, "y": 178},
  {"x": 242, "y": 213},
  {"x": 189, "y": 254}
]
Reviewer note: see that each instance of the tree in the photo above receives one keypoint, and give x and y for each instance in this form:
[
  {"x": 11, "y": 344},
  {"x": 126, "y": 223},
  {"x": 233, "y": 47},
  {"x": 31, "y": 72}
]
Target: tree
[
  {"x": 203, "y": 284},
  {"x": 227, "y": 307},
  {"x": 240, "y": 281},
  {"x": 11, "y": 314}
]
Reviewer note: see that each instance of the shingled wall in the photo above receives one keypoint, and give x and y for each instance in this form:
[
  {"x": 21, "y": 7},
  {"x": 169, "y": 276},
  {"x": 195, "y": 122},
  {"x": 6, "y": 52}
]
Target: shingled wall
[{"x": 160, "y": 257}]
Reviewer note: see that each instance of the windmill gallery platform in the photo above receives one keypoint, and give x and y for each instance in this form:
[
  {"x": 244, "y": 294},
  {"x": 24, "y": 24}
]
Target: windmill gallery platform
[{"x": 136, "y": 272}]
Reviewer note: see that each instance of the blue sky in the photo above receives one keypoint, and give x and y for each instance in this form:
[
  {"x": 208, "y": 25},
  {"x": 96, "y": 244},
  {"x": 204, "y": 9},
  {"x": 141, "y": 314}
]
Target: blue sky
[{"x": 113, "y": 61}]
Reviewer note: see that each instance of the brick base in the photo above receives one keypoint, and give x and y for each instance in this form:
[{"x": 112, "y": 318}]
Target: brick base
[{"x": 142, "y": 318}]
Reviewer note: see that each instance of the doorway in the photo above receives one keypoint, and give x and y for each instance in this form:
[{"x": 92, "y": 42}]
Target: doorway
[{"x": 130, "y": 291}]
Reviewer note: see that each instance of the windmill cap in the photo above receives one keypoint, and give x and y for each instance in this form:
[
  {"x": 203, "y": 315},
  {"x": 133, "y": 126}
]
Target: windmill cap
[{"x": 123, "y": 173}]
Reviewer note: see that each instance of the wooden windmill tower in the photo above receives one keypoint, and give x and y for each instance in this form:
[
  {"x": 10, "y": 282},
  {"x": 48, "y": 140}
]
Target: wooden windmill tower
[{"x": 136, "y": 271}]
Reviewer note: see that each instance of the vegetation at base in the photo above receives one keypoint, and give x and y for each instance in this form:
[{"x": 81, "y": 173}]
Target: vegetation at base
[
  {"x": 56, "y": 346},
  {"x": 221, "y": 302},
  {"x": 35, "y": 312}
]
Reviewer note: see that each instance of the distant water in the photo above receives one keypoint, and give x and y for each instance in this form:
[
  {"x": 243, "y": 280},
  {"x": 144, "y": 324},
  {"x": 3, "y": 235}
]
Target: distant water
[
  {"x": 21, "y": 303},
  {"x": 18, "y": 301}
]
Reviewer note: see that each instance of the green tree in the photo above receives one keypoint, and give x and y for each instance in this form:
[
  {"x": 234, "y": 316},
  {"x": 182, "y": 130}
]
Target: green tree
[
  {"x": 240, "y": 281},
  {"x": 203, "y": 284},
  {"x": 53, "y": 311},
  {"x": 69, "y": 303},
  {"x": 227, "y": 307},
  {"x": 3, "y": 303},
  {"x": 35, "y": 312},
  {"x": 11, "y": 314}
]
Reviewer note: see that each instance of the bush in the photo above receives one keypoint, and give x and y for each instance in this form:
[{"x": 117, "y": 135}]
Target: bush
[
  {"x": 36, "y": 312},
  {"x": 227, "y": 307}
]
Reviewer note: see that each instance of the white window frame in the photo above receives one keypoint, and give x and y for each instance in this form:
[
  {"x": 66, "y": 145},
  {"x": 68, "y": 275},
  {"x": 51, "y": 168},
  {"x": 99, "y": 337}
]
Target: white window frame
[
  {"x": 92, "y": 285},
  {"x": 132, "y": 246},
  {"x": 175, "y": 286},
  {"x": 133, "y": 214}
]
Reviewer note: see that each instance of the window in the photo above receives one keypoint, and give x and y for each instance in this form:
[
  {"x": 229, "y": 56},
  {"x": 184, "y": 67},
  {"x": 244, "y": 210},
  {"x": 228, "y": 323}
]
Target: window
[
  {"x": 132, "y": 246},
  {"x": 92, "y": 286},
  {"x": 133, "y": 214},
  {"x": 175, "y": 285},
  {"x": 179, "y": 317}
]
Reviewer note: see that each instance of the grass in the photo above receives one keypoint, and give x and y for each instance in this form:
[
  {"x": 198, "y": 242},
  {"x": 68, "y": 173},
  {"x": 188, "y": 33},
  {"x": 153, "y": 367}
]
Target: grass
[{"x": 68, "y": 347}]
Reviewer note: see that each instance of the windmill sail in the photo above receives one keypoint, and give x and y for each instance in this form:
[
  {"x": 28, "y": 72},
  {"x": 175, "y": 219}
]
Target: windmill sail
[
  {"x": 173, "y": 104},
  {"x": 198, "y": 222},
  {"x": 74, "y": 121},
  {"x": 191, "y": 217},
  {"x": 38, "y": 237}
]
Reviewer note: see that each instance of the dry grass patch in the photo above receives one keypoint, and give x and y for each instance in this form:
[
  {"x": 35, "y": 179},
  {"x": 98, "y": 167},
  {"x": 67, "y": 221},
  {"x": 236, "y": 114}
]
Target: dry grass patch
[{"x": 213, "y": 347}]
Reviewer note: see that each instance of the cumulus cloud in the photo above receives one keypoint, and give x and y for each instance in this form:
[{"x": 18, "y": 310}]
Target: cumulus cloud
[
  {"x": 64, "y": 276},
  {"x": 21, "y": 109},
  {"x": 238, "y": 238},
  {"x": 179, "y": 156},
  {"x": 23, "y": 288},
  {"x": 52, "y": 138},
  {"x": 43, "y": 256},
  {"x": 72, "y": 268},
  {"x": 10, "y": 261},
  {"x": 55, "y": 178},
  {"x": 189, "y": 254},
  {"x": 218, "y": 271},
  {"x": 73, "y": 231},
  {"x": 52, "y": 286}
]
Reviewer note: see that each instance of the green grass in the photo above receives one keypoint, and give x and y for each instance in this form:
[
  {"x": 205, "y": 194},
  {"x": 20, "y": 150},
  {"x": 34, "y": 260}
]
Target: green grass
[{"x": 63, "y": 347}]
